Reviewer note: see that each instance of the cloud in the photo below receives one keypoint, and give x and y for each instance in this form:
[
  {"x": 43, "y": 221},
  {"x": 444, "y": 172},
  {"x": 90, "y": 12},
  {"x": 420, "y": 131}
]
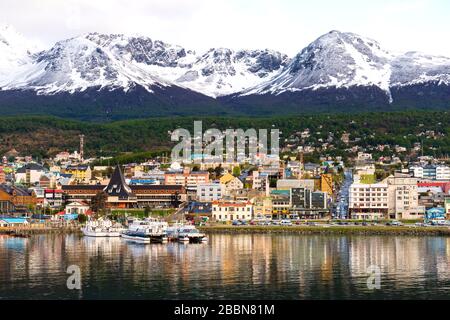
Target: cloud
[{"x": 284, "y": 25}]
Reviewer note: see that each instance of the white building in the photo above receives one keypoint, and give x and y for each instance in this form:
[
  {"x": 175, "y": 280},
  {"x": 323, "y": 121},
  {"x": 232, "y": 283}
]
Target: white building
[
  {"x": 416, "y": 171},
  {"x": 29, "y": 174},
  {"x": 368, "y": 201},
  {"x": 260, "y": 181},
  {"x": 226, "y": 211},
  {"x": 208, "y": 192},
  {"x": 396, "y": 197},
  {"x": 403, "y": 198},
  {"x": 442, "y": 173},
  {"x": 362, "y": 156}
]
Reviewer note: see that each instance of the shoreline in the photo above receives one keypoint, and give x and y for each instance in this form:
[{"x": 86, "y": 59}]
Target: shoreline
[
  {"x": 299, "y": 230},
  {"x": 28, "y": 232},
  {"x": 319, "y": 230}
]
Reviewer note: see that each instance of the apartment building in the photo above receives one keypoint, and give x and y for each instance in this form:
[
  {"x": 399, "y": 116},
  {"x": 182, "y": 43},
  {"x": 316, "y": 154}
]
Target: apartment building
[
  {"x": 396, "y": 197},
  {"x": 208, "y": 192},
  {"x": 431, "y": 172},
  {"x": 368, "y": 201},
  {"x": 403, "y": 198},
  {"x": 186, "y": 178}
]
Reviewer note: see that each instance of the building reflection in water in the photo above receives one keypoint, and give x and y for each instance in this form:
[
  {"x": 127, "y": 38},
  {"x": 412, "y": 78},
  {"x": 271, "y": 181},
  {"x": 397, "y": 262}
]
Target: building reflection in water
[{"x": 229, "y": 266}]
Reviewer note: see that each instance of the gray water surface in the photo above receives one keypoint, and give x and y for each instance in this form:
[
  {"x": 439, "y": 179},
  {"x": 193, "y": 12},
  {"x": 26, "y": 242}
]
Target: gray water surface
[{"x": 283, "y": 267}]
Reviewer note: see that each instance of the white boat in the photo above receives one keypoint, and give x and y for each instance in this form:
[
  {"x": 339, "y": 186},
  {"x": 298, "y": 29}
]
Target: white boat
[
  {"x": 146, "y": 231},
  {"x": 101, "y": 228},
  {"x": 185, "y": 233}
]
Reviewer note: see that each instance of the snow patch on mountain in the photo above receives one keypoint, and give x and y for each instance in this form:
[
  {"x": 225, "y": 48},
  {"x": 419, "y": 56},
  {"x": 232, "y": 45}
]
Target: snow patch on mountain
[{"x": 15, "y": 53}]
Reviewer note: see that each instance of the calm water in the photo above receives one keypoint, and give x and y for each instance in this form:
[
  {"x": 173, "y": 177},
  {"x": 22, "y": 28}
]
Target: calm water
[{"x": 228, "y": 267}]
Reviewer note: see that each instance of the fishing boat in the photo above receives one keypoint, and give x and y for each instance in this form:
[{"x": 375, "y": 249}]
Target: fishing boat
[
  {"x": 101, "y": 228},
  {"x": 146, "y": 231}
]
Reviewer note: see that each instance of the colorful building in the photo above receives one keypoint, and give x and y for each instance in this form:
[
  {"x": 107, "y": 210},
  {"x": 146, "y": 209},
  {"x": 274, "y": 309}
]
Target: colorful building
[{"x": 81, "y": 173}]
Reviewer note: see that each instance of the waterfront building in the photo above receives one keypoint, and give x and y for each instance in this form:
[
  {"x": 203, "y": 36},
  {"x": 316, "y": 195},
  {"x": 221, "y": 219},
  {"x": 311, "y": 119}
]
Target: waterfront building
[
  {"x": 199, "y": 210},
  {"x": 227, "y": 211},
  {"x": 307, "y": 204},
  {"x": 281, "y": 205},
  {"x": 368, "y": 201},
  {"x": 262, "y": 207},
  {"x": 403, "y": 198},
  {"x": 8, "y": 222},
  {"x": 208, "y": 192},
  {"x": 121, "y": 195}
]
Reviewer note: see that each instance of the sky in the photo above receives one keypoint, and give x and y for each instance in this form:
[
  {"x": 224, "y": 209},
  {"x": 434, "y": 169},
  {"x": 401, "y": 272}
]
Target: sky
[{"x": 284, "y": 25}]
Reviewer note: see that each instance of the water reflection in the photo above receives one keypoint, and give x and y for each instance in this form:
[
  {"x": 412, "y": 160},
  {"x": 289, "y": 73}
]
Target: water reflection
[{"x": 229, "y": 266}]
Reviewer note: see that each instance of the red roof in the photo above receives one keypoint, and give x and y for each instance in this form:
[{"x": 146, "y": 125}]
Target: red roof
[
  {"x": 444, "y": 185},
  {"x": 53, "y": 191}
]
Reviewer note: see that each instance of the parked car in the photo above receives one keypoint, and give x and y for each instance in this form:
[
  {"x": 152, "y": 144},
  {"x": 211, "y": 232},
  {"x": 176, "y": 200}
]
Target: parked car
[
  {"x": 237, "y": 223},
  {"x": 286, "y": 223}
]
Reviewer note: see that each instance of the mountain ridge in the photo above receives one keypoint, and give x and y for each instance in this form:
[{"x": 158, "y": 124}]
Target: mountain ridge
[{"x": 104, "y": 72}]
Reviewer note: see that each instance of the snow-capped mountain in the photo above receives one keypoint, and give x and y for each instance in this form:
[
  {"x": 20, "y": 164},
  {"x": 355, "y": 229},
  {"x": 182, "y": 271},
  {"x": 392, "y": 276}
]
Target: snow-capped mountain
[
  {"x": 111, "y": 71},
  {"x": 345, "y": 60},
  {"x": 123, "y": 62},
  {"x": 221, "y": 71},
  {"x": 94, "y": 60}
]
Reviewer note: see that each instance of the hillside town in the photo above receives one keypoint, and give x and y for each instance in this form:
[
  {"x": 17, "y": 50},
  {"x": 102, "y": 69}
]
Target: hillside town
[{"x": 276, "y": 191}]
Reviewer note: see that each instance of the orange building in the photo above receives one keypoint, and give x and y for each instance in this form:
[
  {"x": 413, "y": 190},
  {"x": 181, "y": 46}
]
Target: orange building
[{"x": 16, "y": 200}]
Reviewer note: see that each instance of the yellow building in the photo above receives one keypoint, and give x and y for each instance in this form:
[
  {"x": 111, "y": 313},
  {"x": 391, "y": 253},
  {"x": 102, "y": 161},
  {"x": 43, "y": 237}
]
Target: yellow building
[
  {"x": 226, "y": 178},
  {"x": 326, "y": 183},
  {"x": 262, "y": 207},
  {"x": 81, "y": 173}
]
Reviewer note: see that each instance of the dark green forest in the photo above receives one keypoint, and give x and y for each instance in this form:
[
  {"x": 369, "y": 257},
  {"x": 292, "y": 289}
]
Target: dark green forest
[{"x": 44, "y": 136}]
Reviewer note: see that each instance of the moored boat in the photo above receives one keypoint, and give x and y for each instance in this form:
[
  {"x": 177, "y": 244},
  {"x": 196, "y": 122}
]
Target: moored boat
[
  {"x": 101, "y": 228},
  {"x": 146, "y": 231},
  {"x": 185, "y": 234}
]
